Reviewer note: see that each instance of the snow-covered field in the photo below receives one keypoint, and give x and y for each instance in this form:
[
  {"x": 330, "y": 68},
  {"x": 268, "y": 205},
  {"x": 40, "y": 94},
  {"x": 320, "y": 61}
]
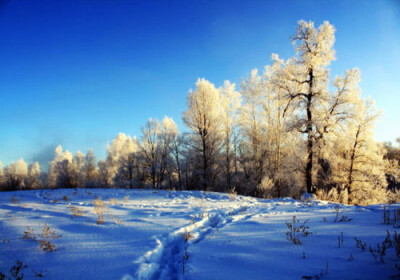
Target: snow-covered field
[{"x": 150, "y": 234}]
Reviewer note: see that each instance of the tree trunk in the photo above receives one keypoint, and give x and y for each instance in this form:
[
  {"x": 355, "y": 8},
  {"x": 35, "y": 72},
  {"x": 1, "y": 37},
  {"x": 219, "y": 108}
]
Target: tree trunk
[
  {"x": 310, "y": 139},
  {"x": 352, "y": 158},
  {"x": 205, "y": 163}
]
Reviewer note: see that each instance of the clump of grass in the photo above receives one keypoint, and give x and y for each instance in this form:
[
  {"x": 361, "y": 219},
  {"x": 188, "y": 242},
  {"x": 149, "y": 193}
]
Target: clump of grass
[
  {"x": 14, "y": 199},
  {"x": 339, "y": 216},
  {"x": 115, "y": 219},
  {"x": 76, "y": 212},
  {"x": 187, "y": 236},
  {"x": 16, "y": 272},
  {"x": 297, "y": 230},
  {"x": 359, "y": 244},
  {"x": 99, "y": 209},
  {"x": 113, "y": 201},
  {"x": 46, "y": 238},
  {"x": 232, "y": 194},
  {"x": 29, "y": 233}
]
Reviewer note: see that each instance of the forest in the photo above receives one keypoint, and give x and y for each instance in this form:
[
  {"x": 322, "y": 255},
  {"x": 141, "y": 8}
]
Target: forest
[{"x": 283, "y": 131}]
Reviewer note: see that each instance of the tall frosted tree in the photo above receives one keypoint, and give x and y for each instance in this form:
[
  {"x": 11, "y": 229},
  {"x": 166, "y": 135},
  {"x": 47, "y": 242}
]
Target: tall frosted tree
[
  {"x": 305, "y": 79},
  {"x": 253, "y": 132},
  {"x": 203, "y": 119},
  {"x": 230, "y": 103},
  {"x": 360, "y": 166}
]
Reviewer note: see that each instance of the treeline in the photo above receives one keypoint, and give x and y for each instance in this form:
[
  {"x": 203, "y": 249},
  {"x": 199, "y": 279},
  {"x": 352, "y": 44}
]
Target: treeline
[{"x": 285, "y": 131}]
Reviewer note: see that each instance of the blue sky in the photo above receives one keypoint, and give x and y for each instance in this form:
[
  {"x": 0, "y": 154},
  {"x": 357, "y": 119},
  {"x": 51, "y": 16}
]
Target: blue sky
[{"x": 77, "y": 73}]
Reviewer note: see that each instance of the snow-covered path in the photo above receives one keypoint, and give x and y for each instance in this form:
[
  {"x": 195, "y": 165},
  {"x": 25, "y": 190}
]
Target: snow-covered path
[{"x": 168, "y": 259}]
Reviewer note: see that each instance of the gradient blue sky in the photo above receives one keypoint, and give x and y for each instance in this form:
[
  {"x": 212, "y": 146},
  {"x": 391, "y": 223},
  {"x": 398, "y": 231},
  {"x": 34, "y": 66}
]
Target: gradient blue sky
[{"x": 76, "y": 73}]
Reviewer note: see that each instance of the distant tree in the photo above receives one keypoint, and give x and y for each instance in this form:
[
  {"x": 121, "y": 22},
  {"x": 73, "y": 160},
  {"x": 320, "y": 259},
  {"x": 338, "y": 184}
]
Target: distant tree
[
  {"x": 79, "y": 160},
  {"x": 15, "y": 174},
  {"x": 151, "y": 152},
  {"x": 33, "y": 180},
  {"x": 176, "y": 142},
  {"x": 170, "y": 147},
  {"x": 122, "y": 161},
  {"x": 63, "y": 172},
  {"x": 104, "y": 174},
  {"x": 89, "y": 172},
  {"x": 252, "y": 149},
  {"x": 230, "y": 104},
  {"x": 203, "y": 119}
]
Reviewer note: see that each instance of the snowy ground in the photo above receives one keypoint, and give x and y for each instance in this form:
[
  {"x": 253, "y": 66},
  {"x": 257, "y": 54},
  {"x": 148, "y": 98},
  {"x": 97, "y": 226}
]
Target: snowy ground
[{"x": 188, "y": 235}]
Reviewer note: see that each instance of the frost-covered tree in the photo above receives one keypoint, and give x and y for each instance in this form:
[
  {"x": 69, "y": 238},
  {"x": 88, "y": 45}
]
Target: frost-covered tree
[
  {"x": 89, "y": 172},
  {"x": 253, "y": 131},
  {"x": 305, "y": 80},
  {"x": 122, "y": 166},
  {"x": 79, "y": 160},
  {"x": 63, "y": 170},
  {"x": 171, "y": 146},
  {"x": 176, "y": 149},
  {"x": 230, "y": 104},
  {"x": 267, "y": 146},
  {"x": 151, "y": 152},
  {"x": 203, "y": 118},
  {"x": 360, "y": 166},
  {"x": 104, "y": 176},
  {"x": 15, "y": 174},
  {"x": 32, "y": 180},
  {"x": 281, "y": 144}
]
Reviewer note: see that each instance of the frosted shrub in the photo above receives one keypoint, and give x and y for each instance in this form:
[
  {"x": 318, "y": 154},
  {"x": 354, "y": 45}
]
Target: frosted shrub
[
  {"x": 232, "y": 193},
  {"x": 265, "y": 188}
]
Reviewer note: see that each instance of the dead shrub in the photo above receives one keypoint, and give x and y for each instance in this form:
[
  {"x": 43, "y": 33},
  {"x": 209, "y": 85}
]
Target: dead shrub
[
  {"x": 297, "y": 230},
  {"x": 14, "y": 199},
  {"x": 46, "y": 238},
  {"x": 99, "y": 209}
]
